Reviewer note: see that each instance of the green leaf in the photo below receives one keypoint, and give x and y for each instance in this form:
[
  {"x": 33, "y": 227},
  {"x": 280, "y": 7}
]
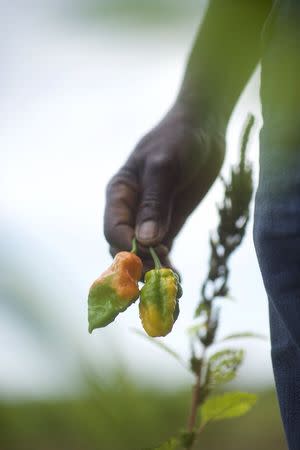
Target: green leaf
[
  {"x": 161, "y": 345},
  {"x": 223, "y": 366},
  {"x": 244, "y": 335},
  {"x": 226, "y": 406},
  {"x": 202, "y": 308}
]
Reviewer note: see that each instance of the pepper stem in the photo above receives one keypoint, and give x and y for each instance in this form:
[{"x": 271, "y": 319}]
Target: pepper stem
[
  {"x": 134, "y": 246},
  {"x": 156, "y": 260}
]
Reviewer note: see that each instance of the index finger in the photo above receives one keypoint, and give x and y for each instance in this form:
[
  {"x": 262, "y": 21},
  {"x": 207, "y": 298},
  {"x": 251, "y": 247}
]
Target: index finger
[{"x": 120, "y": 209}]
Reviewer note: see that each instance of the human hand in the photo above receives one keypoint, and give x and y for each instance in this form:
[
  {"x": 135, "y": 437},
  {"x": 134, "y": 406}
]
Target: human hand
[{"x": 164, "y": 179}]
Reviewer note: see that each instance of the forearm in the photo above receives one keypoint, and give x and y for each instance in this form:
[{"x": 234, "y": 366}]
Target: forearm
[{"x": 225, "y": 53}]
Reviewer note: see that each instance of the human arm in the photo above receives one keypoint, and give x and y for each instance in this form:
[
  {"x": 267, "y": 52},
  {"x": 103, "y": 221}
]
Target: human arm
[{"x": 174, "y": 165}]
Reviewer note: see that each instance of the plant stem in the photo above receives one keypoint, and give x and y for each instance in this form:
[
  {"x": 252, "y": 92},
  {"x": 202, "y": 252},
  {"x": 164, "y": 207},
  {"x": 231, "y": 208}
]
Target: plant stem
[
  {"x": 198, "y": 432},
  {"x": 155, "y": 258},
  {"x": 134, "y": 246},
  {"x": 195, "y": 401}
]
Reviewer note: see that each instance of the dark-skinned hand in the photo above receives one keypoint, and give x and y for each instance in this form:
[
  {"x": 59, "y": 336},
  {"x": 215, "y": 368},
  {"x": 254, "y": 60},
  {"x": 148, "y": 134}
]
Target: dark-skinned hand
[{"x": 162, "y": 182}]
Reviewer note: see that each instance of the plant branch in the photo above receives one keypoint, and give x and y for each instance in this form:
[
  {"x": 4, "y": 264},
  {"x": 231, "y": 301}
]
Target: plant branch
[
  {"x": 233, "y": 215},
  {"x": 196, "y": 400},
  {"x": 194, "y": 403}
]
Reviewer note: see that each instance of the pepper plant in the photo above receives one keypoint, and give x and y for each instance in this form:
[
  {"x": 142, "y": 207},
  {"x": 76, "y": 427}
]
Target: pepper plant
[
  {"x": 117, "y": 288},
  {"x": 210, "y": 368}
]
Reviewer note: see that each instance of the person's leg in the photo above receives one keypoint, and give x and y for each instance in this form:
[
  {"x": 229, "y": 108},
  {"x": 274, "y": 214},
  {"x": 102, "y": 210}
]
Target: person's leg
[{"x": 277, "y": 206}]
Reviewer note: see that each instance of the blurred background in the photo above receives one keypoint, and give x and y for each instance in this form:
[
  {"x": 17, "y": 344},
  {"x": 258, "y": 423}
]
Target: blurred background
[{"x": 81, "y": 81}]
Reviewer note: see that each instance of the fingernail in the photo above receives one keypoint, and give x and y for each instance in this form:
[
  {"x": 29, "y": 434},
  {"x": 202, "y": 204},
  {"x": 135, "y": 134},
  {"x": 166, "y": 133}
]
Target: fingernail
[{"x": 147, "y": 230}]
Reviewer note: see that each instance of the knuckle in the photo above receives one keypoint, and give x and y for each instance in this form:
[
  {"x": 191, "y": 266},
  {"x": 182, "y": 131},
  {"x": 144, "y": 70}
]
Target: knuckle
[
  {"x": 150, "y": 208},
  {"x": 111, "y": 185},
  {"x": 162, "y": 161},
  {"x": 119, "y": 185},
  {"x": 150, "y": 202}
]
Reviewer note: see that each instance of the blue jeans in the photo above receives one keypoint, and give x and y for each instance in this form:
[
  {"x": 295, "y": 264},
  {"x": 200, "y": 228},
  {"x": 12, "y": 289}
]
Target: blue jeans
[{"x": 277, "y": 206}]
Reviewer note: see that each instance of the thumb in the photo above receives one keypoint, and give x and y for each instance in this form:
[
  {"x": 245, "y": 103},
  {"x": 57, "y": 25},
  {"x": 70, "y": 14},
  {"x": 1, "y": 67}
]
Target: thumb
[{"x": 154, "y": 212}]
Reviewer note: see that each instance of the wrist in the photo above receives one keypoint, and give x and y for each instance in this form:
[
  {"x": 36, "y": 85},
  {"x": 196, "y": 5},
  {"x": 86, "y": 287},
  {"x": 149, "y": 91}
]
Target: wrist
[
  {"x": 204, "y": 106},
  {"x": 207, "y": 127},
  {"x": 199, "y": 113}
]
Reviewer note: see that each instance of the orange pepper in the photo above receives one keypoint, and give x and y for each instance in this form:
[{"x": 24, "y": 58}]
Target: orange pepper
[{"x": 115, "y": 290}]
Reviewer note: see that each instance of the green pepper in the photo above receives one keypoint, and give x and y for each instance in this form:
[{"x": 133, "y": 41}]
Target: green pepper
[
  {"x": 159, "y": 300},
  {"x": 115, "y": 290}
]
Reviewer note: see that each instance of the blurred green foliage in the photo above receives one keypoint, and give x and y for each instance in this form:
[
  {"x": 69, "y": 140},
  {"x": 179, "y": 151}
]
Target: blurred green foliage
[
  {"x": 122, "y": 416},
  {"x": 152, "y": 12}
]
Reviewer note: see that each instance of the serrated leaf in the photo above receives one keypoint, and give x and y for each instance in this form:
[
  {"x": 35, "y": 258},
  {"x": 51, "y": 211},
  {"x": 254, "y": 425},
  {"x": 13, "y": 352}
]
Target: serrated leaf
[
  {"x": 161, "y": 345},
  {"x": 223, "y": 366},
  {"x": 226, "y": 406},
  {"x": 244, "y": 335}
]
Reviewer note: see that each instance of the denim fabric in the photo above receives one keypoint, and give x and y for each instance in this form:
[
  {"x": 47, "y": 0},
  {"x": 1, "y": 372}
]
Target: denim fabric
[{"x": 277, "y": 205}]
